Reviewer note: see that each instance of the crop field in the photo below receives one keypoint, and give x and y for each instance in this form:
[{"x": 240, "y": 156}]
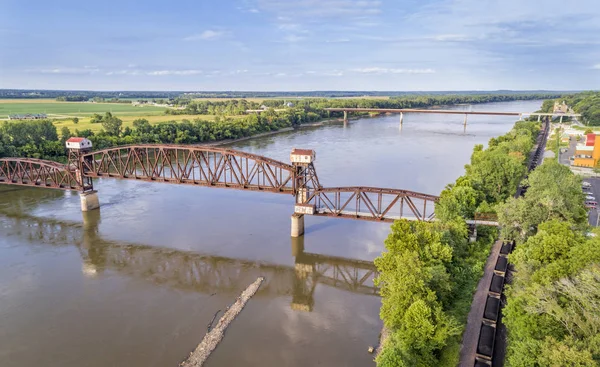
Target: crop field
[
  {"x": 56, "y": 109},
  {"x": 62, "y": 113},
  {"x": 84, "y": 123}
]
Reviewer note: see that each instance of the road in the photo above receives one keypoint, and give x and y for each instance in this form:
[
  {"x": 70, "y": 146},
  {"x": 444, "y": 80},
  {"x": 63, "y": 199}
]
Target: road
[
  {"x": 564, "y": 157},
  {"x": 593, "y": 214}
]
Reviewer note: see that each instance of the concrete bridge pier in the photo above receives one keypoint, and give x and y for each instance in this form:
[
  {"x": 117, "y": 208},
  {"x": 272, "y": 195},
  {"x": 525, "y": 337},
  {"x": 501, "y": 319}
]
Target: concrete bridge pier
[
  {"x": 345, "y": 118},
  {"x": 561, "y": 117},
  {"x": 401, "y": 118},
  {"x": 465, "y": 122},
  {"x": 297, "y": 225},
  {"x": 89, "y": 200},
  {"x": 539, "y": 118}
]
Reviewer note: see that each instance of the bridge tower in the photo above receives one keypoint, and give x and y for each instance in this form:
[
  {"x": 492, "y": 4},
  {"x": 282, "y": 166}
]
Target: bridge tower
[
  {"x": 78, "y": 148},
  {"x": 305, "y": 184}
]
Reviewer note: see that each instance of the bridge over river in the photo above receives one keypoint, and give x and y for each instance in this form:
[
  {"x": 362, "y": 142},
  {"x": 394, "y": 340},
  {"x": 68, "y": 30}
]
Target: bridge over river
[{"x": 221, "y": 168}]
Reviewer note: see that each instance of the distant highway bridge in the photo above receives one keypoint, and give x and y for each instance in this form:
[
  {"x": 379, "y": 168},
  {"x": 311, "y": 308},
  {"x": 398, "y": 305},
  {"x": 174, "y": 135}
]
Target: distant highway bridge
[{"x": 402, "y": 111}]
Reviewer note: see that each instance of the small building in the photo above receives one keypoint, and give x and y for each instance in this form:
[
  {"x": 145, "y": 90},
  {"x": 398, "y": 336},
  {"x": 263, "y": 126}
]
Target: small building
[
  {"x": 588, "y": 153},
  {"x": 289, "y": 104},
  {"x": 78, "y": 143},
  {"x": 302, "y": 156},
  {"x": 28, "y": 116}
]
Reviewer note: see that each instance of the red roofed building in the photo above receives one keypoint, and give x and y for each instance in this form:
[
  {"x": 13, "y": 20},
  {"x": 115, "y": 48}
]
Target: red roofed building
[
  {"x": 590, "y": 139},
  {"x": 78, "y": 143}
]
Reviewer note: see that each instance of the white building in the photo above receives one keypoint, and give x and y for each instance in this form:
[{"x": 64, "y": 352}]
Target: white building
[{"x": 79, "y": 143}]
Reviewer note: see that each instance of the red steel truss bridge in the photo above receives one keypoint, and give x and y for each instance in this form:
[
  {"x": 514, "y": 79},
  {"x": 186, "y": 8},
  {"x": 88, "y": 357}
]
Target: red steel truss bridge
[{"x": 221, "y": 168}]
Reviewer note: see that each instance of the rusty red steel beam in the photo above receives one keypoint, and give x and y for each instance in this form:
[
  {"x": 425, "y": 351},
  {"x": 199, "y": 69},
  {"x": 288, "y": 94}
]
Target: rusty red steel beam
[
  {"x": 38, "y": 173},
  {"x": 192, "y": 165},
  {"x": 412, "y": 110},
  {"x": 372, "y": 203}
]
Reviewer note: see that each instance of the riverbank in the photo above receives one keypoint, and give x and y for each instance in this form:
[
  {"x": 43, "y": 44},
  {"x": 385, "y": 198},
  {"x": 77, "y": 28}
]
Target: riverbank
[{"x": 283, "y": 130}]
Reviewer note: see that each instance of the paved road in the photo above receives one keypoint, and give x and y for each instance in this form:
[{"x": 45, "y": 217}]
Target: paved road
[
  {"x": 564, "y": 157},
  {"x": 594, "y": 214}
]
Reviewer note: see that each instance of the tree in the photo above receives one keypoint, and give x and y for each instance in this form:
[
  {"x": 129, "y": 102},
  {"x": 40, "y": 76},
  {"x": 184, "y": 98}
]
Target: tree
[
  {"x": 111, "y": 124},
  {"x": 75, "y": 120},
  {"x": 554, "y": 193},
  {"x": 96, "y": 119},
  {"x": 65, "y": 133}
]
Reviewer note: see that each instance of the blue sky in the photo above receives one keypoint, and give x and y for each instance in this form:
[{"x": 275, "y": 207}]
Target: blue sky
[{"x": 300, "y": 44}]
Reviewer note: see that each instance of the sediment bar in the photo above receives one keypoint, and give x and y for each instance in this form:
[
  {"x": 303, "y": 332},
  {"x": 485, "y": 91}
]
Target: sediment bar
[{"x": 214, "y": 336}]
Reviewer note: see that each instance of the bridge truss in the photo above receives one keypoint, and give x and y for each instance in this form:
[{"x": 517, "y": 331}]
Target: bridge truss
[
  {"x": 373, "y": 204},
  {"x": 39, "y": 173},
  {"x": 193, "y": 165}
]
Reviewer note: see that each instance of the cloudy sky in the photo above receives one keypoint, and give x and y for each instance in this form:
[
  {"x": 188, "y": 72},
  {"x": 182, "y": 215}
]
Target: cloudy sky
[{"x": 300, "y": 44}]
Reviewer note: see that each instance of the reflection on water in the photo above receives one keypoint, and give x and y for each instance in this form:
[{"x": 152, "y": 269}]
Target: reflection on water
[
  {"x": 197, "y": 272},
  {"x": 136, "y": 283}
]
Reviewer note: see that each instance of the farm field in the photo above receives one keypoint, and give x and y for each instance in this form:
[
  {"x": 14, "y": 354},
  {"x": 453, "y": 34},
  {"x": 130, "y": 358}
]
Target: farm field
[
  {"x": 84, "y": 123},
  {"x": 71, "y": 109},
  {"x": 62, "y": 113}
]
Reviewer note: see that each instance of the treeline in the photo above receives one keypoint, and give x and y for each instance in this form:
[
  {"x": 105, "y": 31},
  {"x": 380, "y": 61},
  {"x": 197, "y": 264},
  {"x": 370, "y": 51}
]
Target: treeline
[
  {"x": 588, "y": 105},
  {"x": 553, "y": 304},
  {"x": 32, "y": 139},
  {"x": 316, "y": 105},
  {"x": 429, "y": 272},
  {"x": 72, "y": 98},
  {"x": 39, "y": 139}
]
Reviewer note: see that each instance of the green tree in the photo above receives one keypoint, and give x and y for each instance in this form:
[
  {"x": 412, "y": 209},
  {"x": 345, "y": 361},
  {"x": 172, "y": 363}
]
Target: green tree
[
  {"x": 75, "y": 120},
  {"x": 112, "y": 124},
  {"x": 554, "y": 193}
]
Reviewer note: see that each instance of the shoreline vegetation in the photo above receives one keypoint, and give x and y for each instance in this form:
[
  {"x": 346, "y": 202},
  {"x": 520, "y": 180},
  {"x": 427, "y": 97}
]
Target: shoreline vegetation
[
  {"x": 41, "y": 138},
  {"x": 429, "y": 271}
]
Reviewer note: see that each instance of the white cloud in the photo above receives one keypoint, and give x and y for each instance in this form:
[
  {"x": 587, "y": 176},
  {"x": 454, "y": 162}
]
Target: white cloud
[
  {"x": 124, "y": 72},
  {"x": 174, "y": 72},
  {"x": 72, "y": 71},
  {"x": 207, "y": 35},
  {"x": 339, "y": 40},
  {"x": 451, "y": 38},
  {"x": 378, "y": 71},
  {"x": 597, "y": 66},
  {"x": 293, "y": 38}
]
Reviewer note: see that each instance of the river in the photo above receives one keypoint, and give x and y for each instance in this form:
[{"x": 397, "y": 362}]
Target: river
[{"x": 137, "y": 282}]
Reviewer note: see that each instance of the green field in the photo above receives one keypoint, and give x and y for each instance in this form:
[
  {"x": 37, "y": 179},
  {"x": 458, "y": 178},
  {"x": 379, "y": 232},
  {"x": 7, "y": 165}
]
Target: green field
[
  {"x": 62, "y": 113},
  {"x": 56, "y": 109}
]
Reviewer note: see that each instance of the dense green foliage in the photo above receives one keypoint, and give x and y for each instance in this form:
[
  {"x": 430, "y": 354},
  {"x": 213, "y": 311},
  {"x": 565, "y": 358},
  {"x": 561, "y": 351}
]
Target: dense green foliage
[
  {"x": 430, "y": 270},
  {"x": 36, "y": 139},
  {"x": 554, "y": 193},
  {"x": 587, "y": 104},
  {"x": 553, "y": 304}
]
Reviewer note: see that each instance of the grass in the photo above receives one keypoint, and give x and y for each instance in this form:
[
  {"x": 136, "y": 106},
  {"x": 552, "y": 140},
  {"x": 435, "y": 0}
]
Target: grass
[
  {"x": 72, "y": 109},
  {"x": 62, "y": 113},
  {"x": 84, "y": 123}
]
